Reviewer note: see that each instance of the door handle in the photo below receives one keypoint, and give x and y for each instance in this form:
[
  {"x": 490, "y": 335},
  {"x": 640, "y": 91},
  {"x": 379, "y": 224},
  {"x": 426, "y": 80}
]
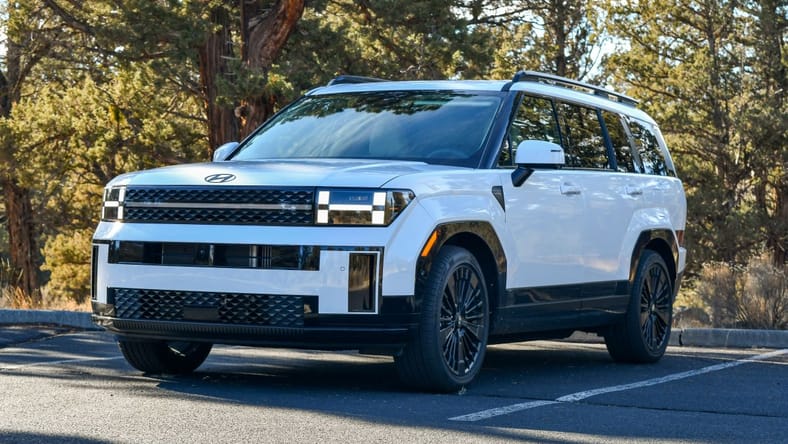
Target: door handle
[
  {"x": 569, "y": 189},
  {"x": 633, "y": 191}
]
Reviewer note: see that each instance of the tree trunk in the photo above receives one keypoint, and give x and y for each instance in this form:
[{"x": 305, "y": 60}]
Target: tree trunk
[
  {"x": 264, "y": 34},
  {"x": 559, "y": 28},
  {"x": 22, "y": 241},
  {"x": 770, "y": 65},
  {"x": 213, "y": 55},
  {"x": 778, "y": 236},
  {"x": 21, "y": 236}
]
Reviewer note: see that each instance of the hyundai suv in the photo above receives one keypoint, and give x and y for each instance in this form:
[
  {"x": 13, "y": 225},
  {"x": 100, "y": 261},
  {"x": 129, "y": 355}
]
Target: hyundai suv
[{"x": 421, "y": 219}]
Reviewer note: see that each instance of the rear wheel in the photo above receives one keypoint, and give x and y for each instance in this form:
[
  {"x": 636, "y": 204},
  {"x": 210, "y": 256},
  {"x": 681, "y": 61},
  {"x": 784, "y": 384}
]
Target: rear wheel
[
  {"x": 175, "y": 357},
  {"x": 642, "y": 336},
  {"x": 448, "y": 351}
]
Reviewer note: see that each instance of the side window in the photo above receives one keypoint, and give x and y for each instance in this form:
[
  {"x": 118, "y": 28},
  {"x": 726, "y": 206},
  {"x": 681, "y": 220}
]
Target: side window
[
  {"x": 620, "y": 142},
  {"x": 649, "y": 151},
  {"x": 581, "y": 135},
  {"x": 533, "y": 121}
]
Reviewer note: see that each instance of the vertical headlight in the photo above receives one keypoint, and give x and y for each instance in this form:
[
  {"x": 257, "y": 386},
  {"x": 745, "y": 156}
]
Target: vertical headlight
[
  {"x": 112, "y": 210},
  {"x": 360, "y": 207}
]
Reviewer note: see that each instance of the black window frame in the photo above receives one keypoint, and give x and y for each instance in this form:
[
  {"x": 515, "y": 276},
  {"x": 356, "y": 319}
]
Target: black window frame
[
  {"x": 603, "y": 134},
  {"x": 506, "y": 142}
]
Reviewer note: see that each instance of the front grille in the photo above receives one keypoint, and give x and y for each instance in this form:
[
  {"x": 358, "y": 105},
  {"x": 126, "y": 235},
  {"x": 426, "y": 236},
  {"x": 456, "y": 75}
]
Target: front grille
[
  {"x": 221, "y": 195},
  {"x": 225, "y": 308},
  {"x": 224, "y": 205},
  {"x": 240, "y": 216}
]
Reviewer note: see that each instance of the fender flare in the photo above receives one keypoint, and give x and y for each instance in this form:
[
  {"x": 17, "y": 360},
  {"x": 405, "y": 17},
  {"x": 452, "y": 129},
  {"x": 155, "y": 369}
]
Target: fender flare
[
  {"x": 453, "y": 233},
  {"x": 647, "y": 237}
]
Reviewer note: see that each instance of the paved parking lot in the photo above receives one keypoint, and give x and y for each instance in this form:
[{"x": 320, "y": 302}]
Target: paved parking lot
[{"x": 75, "y": 387}]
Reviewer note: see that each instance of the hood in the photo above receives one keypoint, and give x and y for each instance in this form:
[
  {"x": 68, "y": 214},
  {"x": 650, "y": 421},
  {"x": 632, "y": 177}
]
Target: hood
[{"x": 283, "y": 172}]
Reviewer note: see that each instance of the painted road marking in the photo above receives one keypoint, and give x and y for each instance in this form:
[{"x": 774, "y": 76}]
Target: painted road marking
[{"x": 579, "y": 396}]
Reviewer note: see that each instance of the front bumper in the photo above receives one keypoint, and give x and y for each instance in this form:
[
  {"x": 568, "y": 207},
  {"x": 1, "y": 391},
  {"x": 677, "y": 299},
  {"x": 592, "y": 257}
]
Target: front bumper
[
  {"x": 385, "y": 332},
  {"x": 352, "y": 287}
]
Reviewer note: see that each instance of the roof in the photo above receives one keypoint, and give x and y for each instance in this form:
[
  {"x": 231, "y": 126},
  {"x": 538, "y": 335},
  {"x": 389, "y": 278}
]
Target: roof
[{"x": 526, "y": 81}]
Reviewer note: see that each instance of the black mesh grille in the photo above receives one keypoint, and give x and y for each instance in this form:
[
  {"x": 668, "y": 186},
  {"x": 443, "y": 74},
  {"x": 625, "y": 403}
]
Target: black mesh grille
[
  {"x": 193, "y": 212},
  {"x": 221, "y": 195},
  {"x": 231, "y": 308},
  {"x": 224, "y": 215}
]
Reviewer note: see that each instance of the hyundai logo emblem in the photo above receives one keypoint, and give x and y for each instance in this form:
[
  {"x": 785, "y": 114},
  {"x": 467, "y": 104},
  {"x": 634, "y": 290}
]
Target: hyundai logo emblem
[{"x": 220, "y": 178}]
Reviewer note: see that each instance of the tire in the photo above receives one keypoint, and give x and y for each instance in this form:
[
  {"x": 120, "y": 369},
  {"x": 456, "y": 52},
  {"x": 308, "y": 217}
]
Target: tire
[
  {"x": 175, "y": 358},
  {"x": 643, "y": 335},
  {"x": 447, "y": 351}
]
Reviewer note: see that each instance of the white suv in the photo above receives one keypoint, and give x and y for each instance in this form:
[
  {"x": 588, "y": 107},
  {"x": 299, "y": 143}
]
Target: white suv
[{"x": 422, "y": 219}]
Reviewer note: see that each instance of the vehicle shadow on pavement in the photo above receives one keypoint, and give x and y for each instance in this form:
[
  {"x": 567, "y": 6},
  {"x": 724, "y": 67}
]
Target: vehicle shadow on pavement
[
  {"x": 365, "y": 390},
  {"x": 22, "y": 437}
]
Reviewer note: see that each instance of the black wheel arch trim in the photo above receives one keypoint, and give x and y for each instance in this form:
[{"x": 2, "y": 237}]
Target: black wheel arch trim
[
  {"x": 460, "y": 234},
  {"x": 664, "y": 237}
]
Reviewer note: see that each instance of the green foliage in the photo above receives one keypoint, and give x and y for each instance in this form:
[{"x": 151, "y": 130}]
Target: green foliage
[
  {"x": 73, "y": 141},
  {"x": 68, "y": 260},
  {"x": 699, "y": 68},
  {"x": 563, "y": 38},
  {"x": 393, "y": 39}
]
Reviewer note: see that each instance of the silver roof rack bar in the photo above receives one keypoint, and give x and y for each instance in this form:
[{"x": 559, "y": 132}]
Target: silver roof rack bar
[
  {"x": 533, "y": 76},
  {"x": 344, "y": 79}
]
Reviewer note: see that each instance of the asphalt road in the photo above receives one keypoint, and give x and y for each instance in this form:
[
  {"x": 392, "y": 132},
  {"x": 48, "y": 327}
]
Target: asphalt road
[{"x": 75, "y": 387}]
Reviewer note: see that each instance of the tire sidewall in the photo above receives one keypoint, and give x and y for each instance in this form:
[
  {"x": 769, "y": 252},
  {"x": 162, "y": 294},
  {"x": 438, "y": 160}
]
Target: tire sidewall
[
  {"x": 448, "y": 260},
  {"x": 649, "y": 259}
]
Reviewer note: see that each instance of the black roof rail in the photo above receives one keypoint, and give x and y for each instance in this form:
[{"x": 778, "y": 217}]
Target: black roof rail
[
  {"x": 344, "y": 79},
  {"x": 533, "y": 76}
]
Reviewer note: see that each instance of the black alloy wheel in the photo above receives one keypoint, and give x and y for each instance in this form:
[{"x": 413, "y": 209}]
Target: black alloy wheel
[
  {"x": 447, "y": 351},
  {"x": 655, "y": 307},
  {"x": 463, "y": 319},
  {"x": 642, "y": 335}
]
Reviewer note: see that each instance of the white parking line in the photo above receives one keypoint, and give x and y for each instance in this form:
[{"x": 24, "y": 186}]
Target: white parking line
[
  {"x": 579, "y": 396},
  {"x": 62, "y": 361}
]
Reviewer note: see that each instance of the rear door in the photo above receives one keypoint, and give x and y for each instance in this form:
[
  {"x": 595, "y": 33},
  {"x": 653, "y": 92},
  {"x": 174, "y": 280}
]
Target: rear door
[{"x": 591, "y": 165}]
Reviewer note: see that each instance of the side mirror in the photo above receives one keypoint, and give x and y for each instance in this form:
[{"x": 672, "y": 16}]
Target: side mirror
[
  {"x": 539, "y": 153},
  {"x": 535, "y": 153},
  {"x": 223, "y": 151}
]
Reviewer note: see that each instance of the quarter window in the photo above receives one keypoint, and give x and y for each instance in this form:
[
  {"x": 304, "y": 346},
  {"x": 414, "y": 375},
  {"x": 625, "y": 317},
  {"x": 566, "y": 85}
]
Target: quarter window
[
  {"x": 581, "y": 136},
  {"x": 649, "y": 151}
]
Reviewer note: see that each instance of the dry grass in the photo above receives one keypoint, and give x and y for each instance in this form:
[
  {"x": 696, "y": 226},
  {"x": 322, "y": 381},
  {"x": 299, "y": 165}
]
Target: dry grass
[
  {"x": 14, "y": 297},
  {"x": 751, "y": 296}
]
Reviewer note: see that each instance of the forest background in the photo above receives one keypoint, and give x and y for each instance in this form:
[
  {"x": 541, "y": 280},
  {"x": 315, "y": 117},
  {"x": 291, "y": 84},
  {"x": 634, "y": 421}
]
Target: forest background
[{"x": 90, "y": 89}]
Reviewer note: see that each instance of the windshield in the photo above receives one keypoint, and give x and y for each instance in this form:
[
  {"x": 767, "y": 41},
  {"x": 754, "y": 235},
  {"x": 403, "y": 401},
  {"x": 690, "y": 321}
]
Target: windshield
[{"x": 433, "y": 127}]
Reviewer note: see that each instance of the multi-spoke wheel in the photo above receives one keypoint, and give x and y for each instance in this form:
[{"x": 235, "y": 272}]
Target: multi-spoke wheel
[
  {"x": 164, "y": 357},
  {"x": 449, "y": 348},
  {"x": 642, "y": 336}
]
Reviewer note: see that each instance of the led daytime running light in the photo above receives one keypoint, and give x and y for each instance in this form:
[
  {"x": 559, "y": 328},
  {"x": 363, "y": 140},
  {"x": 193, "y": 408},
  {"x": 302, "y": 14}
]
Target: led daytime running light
[{"x": 360, "y": 207}]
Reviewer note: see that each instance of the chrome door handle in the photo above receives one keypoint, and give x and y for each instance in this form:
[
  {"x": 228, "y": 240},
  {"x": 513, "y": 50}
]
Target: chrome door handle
[
  {"x": 633, "y": 191},
  {"x": 570, "y": 189}
]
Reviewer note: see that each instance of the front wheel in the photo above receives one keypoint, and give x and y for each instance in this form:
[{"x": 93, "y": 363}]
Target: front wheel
[
  {"x": 642, "y": 336},
  {"x": 164, "y": 357},
  {"x": 448, "y": 350}
]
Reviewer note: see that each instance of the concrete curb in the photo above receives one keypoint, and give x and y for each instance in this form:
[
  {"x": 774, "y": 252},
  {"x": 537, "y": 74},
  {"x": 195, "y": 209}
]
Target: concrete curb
[
  {"x": 711, "y": 337},
  {"x": 730, "y": 338},
  {"x": 47, "y": 317}
]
